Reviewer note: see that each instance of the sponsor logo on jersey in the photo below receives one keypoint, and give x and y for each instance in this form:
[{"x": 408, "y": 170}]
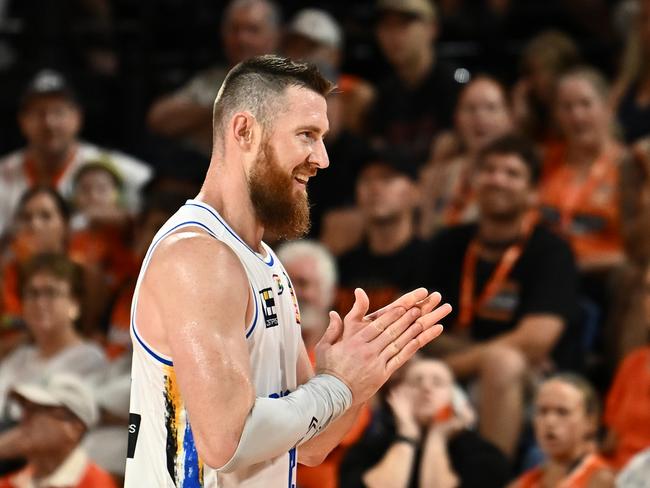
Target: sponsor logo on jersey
[
  {"x": 134, "y": 429},
  {"x": 268, "y": 308}
]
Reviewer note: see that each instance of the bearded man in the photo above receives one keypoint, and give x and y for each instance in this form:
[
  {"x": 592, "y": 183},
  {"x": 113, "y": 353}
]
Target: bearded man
[{"x": 223, "y": 393}]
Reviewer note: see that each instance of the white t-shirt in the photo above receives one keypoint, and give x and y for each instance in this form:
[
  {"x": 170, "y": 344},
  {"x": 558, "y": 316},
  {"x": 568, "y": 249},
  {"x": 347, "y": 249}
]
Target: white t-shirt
[{"x": 14, "y": 180}]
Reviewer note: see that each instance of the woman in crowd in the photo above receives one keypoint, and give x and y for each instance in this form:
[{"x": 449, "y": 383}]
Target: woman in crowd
[
  {"x": 566, "y": 421},
  {"x": 50, "y": 291},
  {"x": 579, "y": 191},
  {"x": 482, "y": 115},
  {"x": 420, "y": 437}
]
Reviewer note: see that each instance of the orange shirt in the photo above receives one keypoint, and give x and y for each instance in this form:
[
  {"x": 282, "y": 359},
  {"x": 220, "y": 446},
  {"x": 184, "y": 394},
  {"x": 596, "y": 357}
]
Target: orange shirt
[
  {"x": 326, "y": 475},
  {"x": 627, "y": 411},
  {"x": 578, "y": 478},
  {"x": 93, "y": 477},
  {"x": 585, "y": 210},
  {"x": 118, "y": 339}
]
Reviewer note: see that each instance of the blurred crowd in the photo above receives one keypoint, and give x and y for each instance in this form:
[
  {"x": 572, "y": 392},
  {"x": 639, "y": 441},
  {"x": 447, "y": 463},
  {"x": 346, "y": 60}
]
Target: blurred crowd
[{"x": 496, "y": 151}]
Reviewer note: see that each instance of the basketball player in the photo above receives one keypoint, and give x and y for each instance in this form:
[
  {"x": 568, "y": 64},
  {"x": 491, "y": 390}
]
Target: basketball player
[{"x": 223, "y": 393}]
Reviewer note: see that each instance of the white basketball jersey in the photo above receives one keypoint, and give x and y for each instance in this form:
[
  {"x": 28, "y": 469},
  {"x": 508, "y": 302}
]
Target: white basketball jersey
[{"x": 161, "y": 450}]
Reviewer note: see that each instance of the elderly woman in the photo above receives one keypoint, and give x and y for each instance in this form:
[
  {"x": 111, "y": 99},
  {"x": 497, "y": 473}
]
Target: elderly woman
[
  {"x": 50, "y": 293},
  {"x": 566, "y": 421},
  {"x": 420, "y": 437}
]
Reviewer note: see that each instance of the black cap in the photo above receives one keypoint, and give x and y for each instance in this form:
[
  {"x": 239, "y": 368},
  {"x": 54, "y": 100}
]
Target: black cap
[
  {"x": 47, "y": 82},
  {"x": 392, "y": 158}
]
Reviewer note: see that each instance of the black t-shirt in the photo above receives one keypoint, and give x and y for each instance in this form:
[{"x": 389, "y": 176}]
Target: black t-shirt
[
  {"x": 476, "y": 462},
  {"x": 407, "y": 119},
  {"x": 544, "y": 280},
  {"x": 383, "y": 277}
]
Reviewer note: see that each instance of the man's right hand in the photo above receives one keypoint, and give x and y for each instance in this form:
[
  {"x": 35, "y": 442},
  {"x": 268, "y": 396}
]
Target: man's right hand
[{"x": 364, "y": 352}]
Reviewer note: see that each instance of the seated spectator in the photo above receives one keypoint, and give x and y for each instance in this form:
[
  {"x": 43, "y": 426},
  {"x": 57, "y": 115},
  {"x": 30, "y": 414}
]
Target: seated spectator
[
  {"x": 249, "y": 28},
  {"x": 627, "y": 412},
  {"x": 417, "y": 98},
  {"x": 51, "y": 290},
  {"x": 631, "y": 92},
  {"x": 579, "y": 191},
  {"x": 50, "y": 119},
  {"x": 313, "y": 276},
  {"x": 420, "y": 436},
  {"x": 512, "y": 285},
  {"x": 101, "y": 227},
  {"x": 391, "y": 259},
  {"x": 545, "y": 58},
  {"x": 566, "y": 423},
  {"x": 42, "y": 227},
  {"x": 55, "y": 414},
  {"x": 482, "y": 115}
]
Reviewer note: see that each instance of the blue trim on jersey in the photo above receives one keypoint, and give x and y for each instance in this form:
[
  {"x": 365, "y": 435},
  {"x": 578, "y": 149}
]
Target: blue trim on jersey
[
  {"x": 252, "y": 327},
  {"x": 227, "y": 227},
  {"x": 192, "y": 473},
  {"x": 145, "y": 263},
  {"x": 146, "y": 348}
]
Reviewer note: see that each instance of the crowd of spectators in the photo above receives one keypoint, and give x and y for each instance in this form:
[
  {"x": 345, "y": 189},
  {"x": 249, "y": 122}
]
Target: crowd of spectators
[{"x": 497, "y": 152}]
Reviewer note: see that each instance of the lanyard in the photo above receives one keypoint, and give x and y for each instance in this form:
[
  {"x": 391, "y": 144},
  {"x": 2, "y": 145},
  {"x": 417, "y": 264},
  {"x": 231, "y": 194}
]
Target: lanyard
[
  {"x": 576, "y": 193},
  {"x": 33, "y": 176},
  {"x": 469, "y": 304}
]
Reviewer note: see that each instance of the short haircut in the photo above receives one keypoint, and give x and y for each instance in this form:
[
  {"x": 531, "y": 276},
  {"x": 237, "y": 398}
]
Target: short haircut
[
  {"x": 518, "y": 145},
  {"x": 325, "y": 262},
  {"x": 60, "y": 203},
  {"x": 255, "y": 85},
  {"x": 57, "y": 265}
]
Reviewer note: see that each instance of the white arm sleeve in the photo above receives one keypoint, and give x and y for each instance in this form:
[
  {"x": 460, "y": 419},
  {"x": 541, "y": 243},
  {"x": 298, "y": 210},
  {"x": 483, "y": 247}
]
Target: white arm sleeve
[{"x": 276, "y": 425}]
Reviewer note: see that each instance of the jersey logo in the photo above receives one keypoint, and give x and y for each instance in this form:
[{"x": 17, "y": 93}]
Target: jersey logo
[
  {"x": 134, "y": 429},
  {"x": 270, "y": 317}
]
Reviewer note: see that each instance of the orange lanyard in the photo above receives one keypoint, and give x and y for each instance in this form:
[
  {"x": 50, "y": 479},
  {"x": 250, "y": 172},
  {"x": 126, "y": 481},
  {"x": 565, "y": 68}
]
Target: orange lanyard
[
  {"x": 574, "y": 194},
  {"x": 33, "y": 174},
  {"x": 469, "y": 305},
  {"x": 460, "y": 199}
]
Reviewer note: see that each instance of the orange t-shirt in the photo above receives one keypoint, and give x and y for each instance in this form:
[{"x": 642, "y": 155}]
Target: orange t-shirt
[
  {"x": 585, "y": 210},
  {"x": 94, "y": 477},
  {"x": 578, "y": 478},
  {"x": 627, "y": 411},
  {"x": 118, "y": 339},
  {"x": 326, "y": 475}
]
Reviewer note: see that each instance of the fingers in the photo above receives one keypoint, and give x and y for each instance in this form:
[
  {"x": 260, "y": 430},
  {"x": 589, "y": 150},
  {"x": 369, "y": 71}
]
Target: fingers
[
  {"x": 407, "y": 301},
  {"x": 435, "y": 316},
  {"x": 392, "y": 331},
  {"x": 380, "y": 326},
  {"x": 360, "y": 307},
  {"x": 429, "y": 303},
  {"x": 333, "y": 331},
  {"x": 407, "y": 352}
]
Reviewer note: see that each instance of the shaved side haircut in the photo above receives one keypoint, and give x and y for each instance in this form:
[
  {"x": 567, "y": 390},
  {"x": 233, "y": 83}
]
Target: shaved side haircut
[{"x": 258, "y": 84}]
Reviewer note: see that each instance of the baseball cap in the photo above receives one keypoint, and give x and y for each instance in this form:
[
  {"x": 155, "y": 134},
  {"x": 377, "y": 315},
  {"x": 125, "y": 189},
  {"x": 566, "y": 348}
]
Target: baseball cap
[
  {"x": 62, "y": 390},
  {"x": 317, "y": 25},
  {"x": 417, "y": 8},
  {"x": 48, "y": 82}
]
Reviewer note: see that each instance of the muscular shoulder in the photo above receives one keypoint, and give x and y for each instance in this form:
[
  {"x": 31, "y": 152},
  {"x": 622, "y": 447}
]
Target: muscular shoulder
[{"x": 192, "y": 265}]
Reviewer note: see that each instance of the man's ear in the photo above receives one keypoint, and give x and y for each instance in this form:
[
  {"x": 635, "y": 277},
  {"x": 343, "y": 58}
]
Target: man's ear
[{"x": 244, "y": 128}]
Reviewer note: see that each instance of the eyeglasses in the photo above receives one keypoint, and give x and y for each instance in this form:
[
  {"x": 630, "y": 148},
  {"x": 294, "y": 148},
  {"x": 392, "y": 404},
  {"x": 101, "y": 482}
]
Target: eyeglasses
[{"x": 47, "y": 293}]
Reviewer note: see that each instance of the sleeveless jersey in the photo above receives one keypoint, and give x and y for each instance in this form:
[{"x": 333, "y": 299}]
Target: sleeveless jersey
[{"x": 161, "y": 451}]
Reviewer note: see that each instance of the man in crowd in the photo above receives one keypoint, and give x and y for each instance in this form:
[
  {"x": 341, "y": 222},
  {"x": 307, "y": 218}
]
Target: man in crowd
[
  {"x": 417, "y": 98},
  {"x": 512, "y": 285},
  {"x": 51, "y": 119},
  {"x": 55, "y": 415},
  {"x": 249, "y": 28}
]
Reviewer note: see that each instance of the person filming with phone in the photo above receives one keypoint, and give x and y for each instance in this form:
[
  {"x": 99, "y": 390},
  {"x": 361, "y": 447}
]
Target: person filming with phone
[{"x": 421, "y": 436}]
